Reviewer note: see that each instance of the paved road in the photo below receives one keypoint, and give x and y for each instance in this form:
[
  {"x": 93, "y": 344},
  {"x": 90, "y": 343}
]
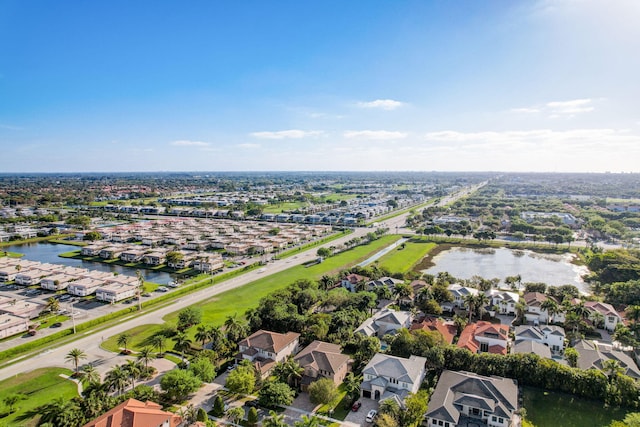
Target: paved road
[{"x": 90, "y": 341}]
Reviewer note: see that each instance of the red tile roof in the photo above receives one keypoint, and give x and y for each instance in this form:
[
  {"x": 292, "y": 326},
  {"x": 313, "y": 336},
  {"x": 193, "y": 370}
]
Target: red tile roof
[
  {"x": 447, "y": 330},
  {"x": 134, "y": 413}
]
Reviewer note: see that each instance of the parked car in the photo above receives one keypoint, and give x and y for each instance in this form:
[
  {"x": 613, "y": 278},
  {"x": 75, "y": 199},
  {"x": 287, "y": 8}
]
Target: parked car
[
  {"x": 356, "y": 406},
  {"x": 371, "y": 416},
  {"x": 162, "y": 289}
]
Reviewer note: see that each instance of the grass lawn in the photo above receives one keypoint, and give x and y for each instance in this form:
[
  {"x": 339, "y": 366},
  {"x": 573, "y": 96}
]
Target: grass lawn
[
  {"x": 545, "y": 408},
  {"x": 403, "y": 260},
  {"x": 239, "y": 300},
  {"x": 138, "y": 340},
  {"x": 284, "y": 206},
  {"x": 339, "y": 411},
  {"x": 40, "y": 387}
]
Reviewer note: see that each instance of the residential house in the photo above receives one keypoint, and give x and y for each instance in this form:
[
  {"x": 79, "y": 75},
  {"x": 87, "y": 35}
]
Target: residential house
[
  {"x": 12, "y": 325},
  {"x": 592, "y": 355},
  {"x": 388, "y": 282},
  {"x": 322, "y": 360},
  {"x": 385, "y": 321},
  {"x": 354, "y": 282},
  {"x": 503, "y": 300},
  {"x": 27, "y": 309},
  {"x": 550, "y": 335},
  {"x": 155, "y": 258},
  {"x": 481, "y": 337},
  {"x": 535, "y": 313},
  {"x": 266, "y": 348},
  {"x": 448, "y": 329},
  {"x": 85, "y": 286},
  {"x": 390, "y": 377},
  {"x": 114, "y": 292},
  {"x": 466, "y": 399},
  {"x": 132, "y": 255},
  {"x": 611, "y": 316},
  {"x": 56, "y": 282},
  {"x": 460, "y": 293},
  {"x": 208, "y": 263},
  {"x": 529, "y": 346},
  {"x": 134, "y": 413}
]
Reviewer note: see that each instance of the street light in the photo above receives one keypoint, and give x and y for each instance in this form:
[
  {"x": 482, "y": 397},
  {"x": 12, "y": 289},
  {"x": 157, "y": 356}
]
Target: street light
[{"x": 73, "y": 317}]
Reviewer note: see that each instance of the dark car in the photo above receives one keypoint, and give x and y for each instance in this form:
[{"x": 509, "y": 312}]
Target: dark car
[
  {"x": 356, "y": 406},
  {"x": 252, "y": 403},
  {"x": 56, "y": 325}
]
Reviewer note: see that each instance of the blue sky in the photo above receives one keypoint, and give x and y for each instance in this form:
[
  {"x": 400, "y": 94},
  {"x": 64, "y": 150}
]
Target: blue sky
[{"x": 319, "y": 85}]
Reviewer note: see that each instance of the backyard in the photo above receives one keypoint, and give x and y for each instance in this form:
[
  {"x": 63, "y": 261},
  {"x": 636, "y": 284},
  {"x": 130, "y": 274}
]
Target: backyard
[{"x": 545, "y": 408}]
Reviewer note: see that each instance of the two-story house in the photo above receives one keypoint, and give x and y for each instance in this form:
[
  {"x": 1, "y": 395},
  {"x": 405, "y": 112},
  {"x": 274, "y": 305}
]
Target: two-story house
[
  {"x": 550, "y": 335},
  {"x": 134, "y": 413},
  {"x": 460, "y": 293},
  {"x": 322, "y": 360},
  {"x": 391, "y": 377},
  {"x": 536, "y": 313},
  {"x": 503, "y": 300},
  {"x": 466, "y": 399},
  {"x": 354, "y": 282},
  {"x": 385, "y": 321},
  {"x": 266, "y": 348},
  {"x": 485, "y": 337},
  {"x": 610, "y": 315}
]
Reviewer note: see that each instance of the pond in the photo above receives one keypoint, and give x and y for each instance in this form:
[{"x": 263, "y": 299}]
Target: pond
[
  {"x": 48, "y": 252},
  {"x": 554, "y": 270}
]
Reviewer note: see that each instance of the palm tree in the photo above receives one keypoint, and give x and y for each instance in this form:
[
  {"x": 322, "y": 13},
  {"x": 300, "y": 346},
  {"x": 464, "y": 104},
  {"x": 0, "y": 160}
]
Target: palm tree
[
  {"x": 482, "y": 300},
  {"x": 53, "y": 305},
  {"x": 580, "y": 310},
  {"x": 352, "y": 385},
  {"x": 12, "y": 399},
  {"x": 91, "y": 374},
  {"x": 159, "y": 342},
  {"x": 75, "y": 355},
  {"x": 326, "y": 282},
  {"x": 133, "y": 370},
  {"x": 470, "y": 302},
  {"x": 274, "y": 420},
  {"x": 551, "y": 308},
  {"x": 288, "y": 371},
  {"x": 633, "y": 313},
  {"x": 402, "y": 291},
  {"x": 117, "y": 379},
  {"x": 235, "y": 414},
  {"x": 612, "y": 368},
  {"x": 123, "y": 340},
  {"x": 235, "y": 328},
  {"x": 145, "y": 356},
  {"x": 306, "y": 421},
  {"x": 182, "y": 343},
  {"x": 204, "y": 333}
]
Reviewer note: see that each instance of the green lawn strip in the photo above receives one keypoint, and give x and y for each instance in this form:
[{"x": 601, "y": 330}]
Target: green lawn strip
[
  {"x": 337, "y": 404},
  {"x": 291, "y": 252},
  {"x": 69, "y": 242},
  {"x": 236, "y": 301},
  {"x": 11, "y": 254},
  {"x": 402, "y": 260},
  {"x": 40, "y": 387},
  {"x": 284, "y": 206},
  {"x": 138, "y": 338},
  {"x": 546, "y": 408}
]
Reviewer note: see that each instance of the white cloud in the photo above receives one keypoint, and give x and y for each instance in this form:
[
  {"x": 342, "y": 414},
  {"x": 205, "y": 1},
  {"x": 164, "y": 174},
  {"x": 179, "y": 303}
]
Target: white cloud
[
  {"x": 384, "y": 104},
  {"x": 188, "y": 143},
  {"x": 287, "y": 134},
  {"x": 249, "y": 145},
  {"x": 570, "y": 107},
  {"x": 374, "y": 134},
  {"x": 558, "y": 109}
]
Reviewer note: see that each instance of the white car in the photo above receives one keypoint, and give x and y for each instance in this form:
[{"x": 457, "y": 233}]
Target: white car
[{"x": 371, "y": 416}]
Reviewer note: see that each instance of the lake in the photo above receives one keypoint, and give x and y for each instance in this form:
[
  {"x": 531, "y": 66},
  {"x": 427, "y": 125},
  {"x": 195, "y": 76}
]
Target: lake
[
  {"x": 48, "y": 252},
  {"x": 554, "y": 270}
]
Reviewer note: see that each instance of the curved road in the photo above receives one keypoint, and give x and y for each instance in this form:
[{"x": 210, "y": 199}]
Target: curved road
[{"x": 105, "y": 360}]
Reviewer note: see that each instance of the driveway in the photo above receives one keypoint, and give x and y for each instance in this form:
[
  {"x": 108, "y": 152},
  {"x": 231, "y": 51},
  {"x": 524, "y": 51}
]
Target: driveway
[{"x": 359, "y": 417}]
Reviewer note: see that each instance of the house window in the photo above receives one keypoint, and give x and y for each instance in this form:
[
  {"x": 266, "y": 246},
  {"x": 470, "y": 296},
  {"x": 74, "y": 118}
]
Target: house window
[
  {"x": 484, "y": 347},
  {"x": 494, "y": 418},
  {"x": 393, "y": 381}
]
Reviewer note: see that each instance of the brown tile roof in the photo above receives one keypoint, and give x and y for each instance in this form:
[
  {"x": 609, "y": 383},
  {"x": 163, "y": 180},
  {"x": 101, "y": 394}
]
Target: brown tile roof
[
  {"x": 447, "y": 330},
  {"x": 134, "y": 413},
  {"x": 471, "y": 331},
  {"x": 271, "y": 342},
  {"x": 322, "y": 356}
]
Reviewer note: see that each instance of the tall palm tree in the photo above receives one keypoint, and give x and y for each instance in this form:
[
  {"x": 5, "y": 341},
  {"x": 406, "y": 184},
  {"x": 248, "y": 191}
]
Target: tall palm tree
[
  {"x": 91, "y": 374},
  {"x": 274, "y": 420},
  {"x": 581, "y": 310},
  {"x": 482, "y": 300},
  {"x": 551, "y": 308},
  {"x": 470, "y": 302},
  {"x": 289, "y": 371},
  {"x": 133, "y": 370},
  {"x": 145, "y": 356},
  {"x": 182, "y": 343},
  {"x": 74, "y": 356},
  {"x": 204, "y": 333},
  {"x": 123, "y": 340},
  {"x": 236, "y": 328},
  {"x": 159, "y": 342},
  {"x": 117, "y": 379},
  {"x": 612, "y": 368},
  {"x": 352, "y": 385},
  {"x": 53, "y": 305}
]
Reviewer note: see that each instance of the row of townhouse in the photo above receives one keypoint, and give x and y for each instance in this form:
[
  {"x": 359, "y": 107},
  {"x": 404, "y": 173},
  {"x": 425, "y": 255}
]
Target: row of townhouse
[
  {"x": 76, "y": 281},
  {"x": 15, "y": 315}
]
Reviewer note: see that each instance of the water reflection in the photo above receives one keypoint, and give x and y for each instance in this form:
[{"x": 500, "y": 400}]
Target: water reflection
[
  {"x": 554, "y": 270},
  {"x": 48, "y": 252}
]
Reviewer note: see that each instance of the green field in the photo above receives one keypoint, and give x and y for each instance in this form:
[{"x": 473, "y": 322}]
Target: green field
[
  {"x": 550, "y": 409},
  {"x": 40, "y": 387},
  {"x": 239, "y": 300},
  {"x": 402, "y": 260},
  {"x": 284, "y": 206}
]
